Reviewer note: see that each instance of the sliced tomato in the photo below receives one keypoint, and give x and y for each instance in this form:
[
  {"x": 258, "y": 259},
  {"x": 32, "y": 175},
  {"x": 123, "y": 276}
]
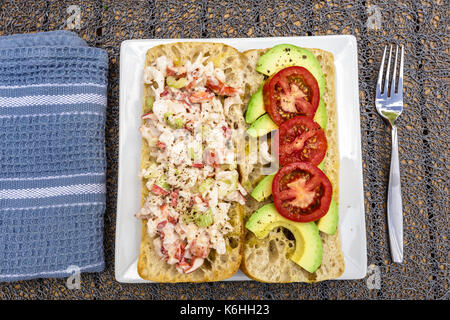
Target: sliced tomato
[
  {"x": 291, "y": 92},
  {"x": 301, "y": 139},
  {"x": 301, "y": 192}
]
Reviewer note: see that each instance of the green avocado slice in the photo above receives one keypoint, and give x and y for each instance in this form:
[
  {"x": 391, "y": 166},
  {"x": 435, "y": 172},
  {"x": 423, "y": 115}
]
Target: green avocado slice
[
  {"x": 263, "y": 125},
  {"x": 329, "y": 222},
  {"x": 263, "y": 189},
  {"x": 308, "y": 244},
  {"x": 286, "y": 55},
  {"x": 321, "y": 115},
  {"x": 255, "y": 107},
  {"x": 321, "y": 165}
]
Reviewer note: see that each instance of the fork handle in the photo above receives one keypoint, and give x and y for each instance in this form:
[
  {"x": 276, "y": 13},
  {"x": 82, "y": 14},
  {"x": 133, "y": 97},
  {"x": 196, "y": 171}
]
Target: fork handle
[{"x": 394, "y": 203}]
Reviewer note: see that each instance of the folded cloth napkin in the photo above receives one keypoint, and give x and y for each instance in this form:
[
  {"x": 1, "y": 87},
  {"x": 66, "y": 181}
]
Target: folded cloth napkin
[{"x": 52, "y": 155}]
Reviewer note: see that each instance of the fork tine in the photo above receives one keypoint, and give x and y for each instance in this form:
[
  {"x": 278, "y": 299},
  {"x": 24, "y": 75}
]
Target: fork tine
[
  {"x": 400, "y": 79},
  {"x": 392, "y": 91},
  {"x": 380, "y": 74},
  {"x": 386, "y": 81}
]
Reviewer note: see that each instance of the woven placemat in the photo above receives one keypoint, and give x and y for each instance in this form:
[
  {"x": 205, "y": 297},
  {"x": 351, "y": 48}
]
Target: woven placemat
[{"x": 423, "y": 130}]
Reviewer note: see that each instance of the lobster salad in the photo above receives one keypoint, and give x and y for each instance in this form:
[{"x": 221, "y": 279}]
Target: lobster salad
[{"x": 192, "y": 178}]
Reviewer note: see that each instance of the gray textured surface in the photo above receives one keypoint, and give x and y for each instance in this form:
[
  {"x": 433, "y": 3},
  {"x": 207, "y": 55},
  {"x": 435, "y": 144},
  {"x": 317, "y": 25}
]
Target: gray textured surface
[{"x": 423, "y": 135}]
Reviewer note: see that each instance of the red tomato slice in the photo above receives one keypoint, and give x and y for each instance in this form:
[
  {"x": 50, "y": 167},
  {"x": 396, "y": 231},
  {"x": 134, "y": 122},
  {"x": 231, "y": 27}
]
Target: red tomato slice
[
  {"x": 301, "y": 140},
  {"x": 291, "y": 92},
  {"x": 301, "y": 192}
]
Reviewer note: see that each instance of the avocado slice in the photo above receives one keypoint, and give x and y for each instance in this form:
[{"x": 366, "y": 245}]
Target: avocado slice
[
  {"x": 321, "y": 118},
  {"x": 255, "y": 107},
  {"x": 329, "y": 222},
  {"x": 308, "y": 244},
  {"x": 321, "y": 115},
  {"x": 263, "y": 189},
  {"x": 321, "y": 165},
  {"x": 263, "y": 125},
  {"x": 286, "y": 55}
]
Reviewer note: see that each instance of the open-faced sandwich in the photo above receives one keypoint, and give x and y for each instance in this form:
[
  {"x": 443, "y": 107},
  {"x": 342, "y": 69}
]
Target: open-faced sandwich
[
  {"x": 205, "y": 209},
  {"x": 292, "y": 214},
  {"x": 192, "y": 200}
]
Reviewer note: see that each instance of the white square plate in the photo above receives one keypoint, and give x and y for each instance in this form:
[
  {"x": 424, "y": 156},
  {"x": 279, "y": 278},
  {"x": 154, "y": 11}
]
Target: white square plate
[{"x": 351, "y": 198}]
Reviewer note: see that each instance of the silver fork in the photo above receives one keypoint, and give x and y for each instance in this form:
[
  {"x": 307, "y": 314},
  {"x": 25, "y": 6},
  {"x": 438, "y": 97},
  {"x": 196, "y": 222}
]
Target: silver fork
[{"x": 389, "y": 103}]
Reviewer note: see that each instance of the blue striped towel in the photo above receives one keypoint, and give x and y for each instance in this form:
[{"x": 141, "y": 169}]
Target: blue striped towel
[{"x": 52, "y": 155}]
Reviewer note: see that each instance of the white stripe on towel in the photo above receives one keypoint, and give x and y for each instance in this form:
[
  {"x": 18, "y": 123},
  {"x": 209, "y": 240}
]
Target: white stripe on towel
[
  {"x": 51, "y": 114},
  {"x": 64, "y": 205},
  {"x": 48, "y": 273},
  {"x": 55, "y": 85},
  {"x": 90, "y": 174},
  {"x": 52, "y": 191},
  {"x": 25, "y": 101}
]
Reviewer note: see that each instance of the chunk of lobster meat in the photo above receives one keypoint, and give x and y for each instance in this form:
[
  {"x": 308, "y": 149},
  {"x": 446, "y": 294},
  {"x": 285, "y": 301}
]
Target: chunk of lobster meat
[
  {"x": 220, "y": 88},
  {"x": 179, "y": 246},
  {"x": 174, "y": 198},
  {"x": 199, "y": 248},
  {"x": 200, "y": 96},
  {"x": 191, "y": 267},
  {"x": 157, "y": 190},
  {"x": 176, "y": 71}
]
